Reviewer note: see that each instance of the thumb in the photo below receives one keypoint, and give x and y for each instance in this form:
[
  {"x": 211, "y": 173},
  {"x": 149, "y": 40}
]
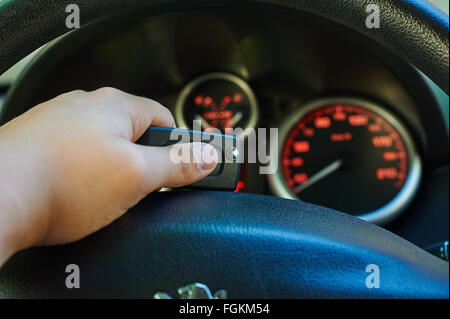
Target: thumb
[{"x": 177, "y": 165}]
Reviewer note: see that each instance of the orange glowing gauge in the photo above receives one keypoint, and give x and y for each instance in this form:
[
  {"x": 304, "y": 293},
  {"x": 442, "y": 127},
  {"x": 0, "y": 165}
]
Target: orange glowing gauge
[
  {"x": 349, "y": 155},
  {"x": 218, "y": 101}
]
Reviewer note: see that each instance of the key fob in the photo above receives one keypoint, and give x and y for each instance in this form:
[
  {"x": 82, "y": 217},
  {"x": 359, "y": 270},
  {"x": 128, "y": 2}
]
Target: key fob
[{"x": 226, "y": 174}]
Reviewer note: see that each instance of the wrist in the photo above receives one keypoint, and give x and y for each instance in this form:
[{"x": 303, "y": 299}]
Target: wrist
[
  {"x": 9, "y": 243},
  {"x": 19, "y": 224},
  {"x": 23, "y": 199}
]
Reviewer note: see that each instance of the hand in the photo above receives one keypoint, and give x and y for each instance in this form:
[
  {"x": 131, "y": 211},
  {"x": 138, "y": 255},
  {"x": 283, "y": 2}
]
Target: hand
[{"x": 69, "y": 167}]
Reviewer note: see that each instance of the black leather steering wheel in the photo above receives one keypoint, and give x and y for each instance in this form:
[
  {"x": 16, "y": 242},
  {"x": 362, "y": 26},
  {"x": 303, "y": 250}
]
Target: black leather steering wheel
[{"x": 250, "y": 245}]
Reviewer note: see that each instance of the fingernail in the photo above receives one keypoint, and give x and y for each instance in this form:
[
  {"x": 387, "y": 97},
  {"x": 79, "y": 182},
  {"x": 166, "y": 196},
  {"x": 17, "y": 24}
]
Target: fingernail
[
  {"x": 205, "y": 156},
  {"x": 209, "y": 160}
]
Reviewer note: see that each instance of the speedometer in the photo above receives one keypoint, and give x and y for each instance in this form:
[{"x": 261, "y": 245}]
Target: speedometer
[{"x": 350, "y": 155}]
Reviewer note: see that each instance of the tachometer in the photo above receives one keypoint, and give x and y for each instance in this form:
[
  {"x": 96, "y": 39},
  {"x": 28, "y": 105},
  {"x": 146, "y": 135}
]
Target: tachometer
[
  {"x": 217, "y": 100},
  {"x": 349, "y": 155}
]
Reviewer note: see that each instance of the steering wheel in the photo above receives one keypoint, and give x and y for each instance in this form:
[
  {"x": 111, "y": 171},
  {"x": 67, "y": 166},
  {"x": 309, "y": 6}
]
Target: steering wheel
[{"x": 252, "y": 246}]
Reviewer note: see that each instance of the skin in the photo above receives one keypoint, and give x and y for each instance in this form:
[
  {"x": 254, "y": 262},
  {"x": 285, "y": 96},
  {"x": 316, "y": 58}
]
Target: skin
[{"x": 69, "y": 166}]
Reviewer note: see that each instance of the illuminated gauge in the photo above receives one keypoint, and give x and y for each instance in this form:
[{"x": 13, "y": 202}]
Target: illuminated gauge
[
  {"x": 349, "y": 155},
  {"x": 217, "y": 100}
]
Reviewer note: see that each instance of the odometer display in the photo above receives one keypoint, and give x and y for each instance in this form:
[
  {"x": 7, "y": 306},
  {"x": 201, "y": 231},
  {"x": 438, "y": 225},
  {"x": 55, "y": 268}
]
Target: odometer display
[{"x": 351, "y": 156}]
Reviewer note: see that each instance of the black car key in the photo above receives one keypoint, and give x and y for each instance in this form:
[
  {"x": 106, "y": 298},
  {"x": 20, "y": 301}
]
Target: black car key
[{"x": 226, "y": 174}]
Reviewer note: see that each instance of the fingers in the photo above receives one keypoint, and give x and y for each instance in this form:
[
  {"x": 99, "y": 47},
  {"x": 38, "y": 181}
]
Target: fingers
[
  {"x": 173, "y": 166},
  {"x": 142, "y": 112},
  {"x": 177, "y": 165}
]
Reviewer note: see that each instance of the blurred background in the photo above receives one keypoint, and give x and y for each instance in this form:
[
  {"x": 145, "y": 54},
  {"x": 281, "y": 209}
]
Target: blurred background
[
  {"x": 7, "y": 78},
  {"x": 443, "y": 4}
]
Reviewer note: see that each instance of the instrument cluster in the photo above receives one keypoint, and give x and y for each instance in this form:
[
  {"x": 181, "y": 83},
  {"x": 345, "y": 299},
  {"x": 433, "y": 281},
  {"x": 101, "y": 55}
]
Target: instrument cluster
[{"x": 345, "y": 153}]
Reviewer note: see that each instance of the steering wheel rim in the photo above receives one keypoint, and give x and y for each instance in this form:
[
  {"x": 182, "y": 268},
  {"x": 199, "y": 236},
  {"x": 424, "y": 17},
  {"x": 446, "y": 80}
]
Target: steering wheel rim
[
  {"x": 317, "y": 240},
  {"x": 428, "y": 49},
  {"x": 254, "y": 246}
]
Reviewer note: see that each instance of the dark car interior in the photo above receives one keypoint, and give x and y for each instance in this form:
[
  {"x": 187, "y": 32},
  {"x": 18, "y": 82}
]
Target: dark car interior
[{"x": 281, "y": 239}]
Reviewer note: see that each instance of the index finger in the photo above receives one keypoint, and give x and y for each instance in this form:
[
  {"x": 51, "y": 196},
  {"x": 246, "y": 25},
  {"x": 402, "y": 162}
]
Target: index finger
[{"x": 142, "y": 111}]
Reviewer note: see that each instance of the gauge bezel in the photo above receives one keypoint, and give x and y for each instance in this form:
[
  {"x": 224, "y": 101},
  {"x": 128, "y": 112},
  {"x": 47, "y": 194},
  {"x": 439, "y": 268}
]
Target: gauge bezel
[
  {"x": 179, "y": 106},
  {"x": 384, "y": 214}
]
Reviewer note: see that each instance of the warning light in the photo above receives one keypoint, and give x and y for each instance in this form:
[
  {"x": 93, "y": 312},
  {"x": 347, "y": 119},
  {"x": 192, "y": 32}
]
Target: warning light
[{"x": 240, "y": 185}]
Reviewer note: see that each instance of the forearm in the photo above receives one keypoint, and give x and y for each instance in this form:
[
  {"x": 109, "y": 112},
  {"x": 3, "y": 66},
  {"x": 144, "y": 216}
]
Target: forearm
[
  {"x": 9, "y": 241},
  {"x": 69, "y": 167},
  {"x": 22, "y": 197}
]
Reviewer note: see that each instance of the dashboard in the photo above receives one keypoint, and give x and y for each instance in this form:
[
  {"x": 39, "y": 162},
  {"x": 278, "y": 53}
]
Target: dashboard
[
  {"x": 329, "y": 146},
  {"x": 359, "y": 130}
]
